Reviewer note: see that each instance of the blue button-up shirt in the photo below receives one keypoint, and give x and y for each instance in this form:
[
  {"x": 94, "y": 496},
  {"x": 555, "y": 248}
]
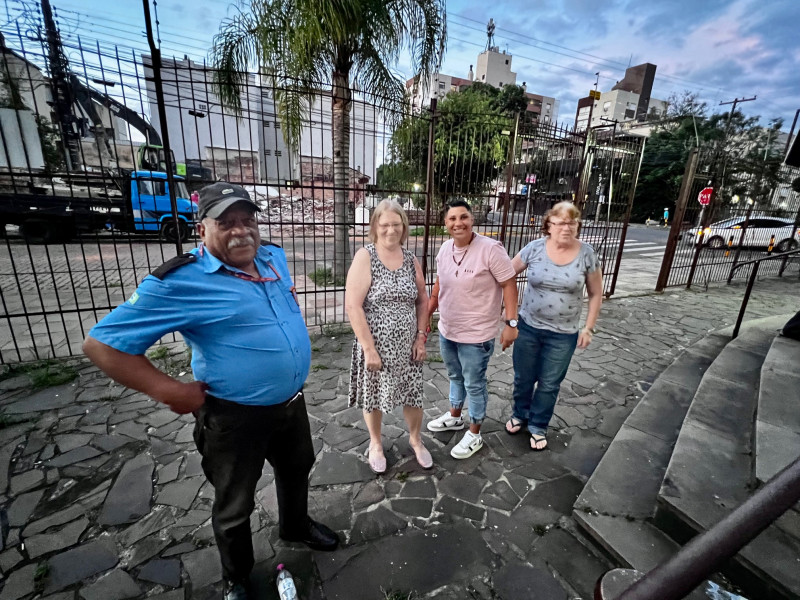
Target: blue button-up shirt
[{"x": 249, "y": 341}]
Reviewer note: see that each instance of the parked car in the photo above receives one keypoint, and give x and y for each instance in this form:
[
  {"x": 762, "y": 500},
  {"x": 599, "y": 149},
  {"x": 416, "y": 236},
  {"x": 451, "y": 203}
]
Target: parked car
[{"x": 758, "y": 235}]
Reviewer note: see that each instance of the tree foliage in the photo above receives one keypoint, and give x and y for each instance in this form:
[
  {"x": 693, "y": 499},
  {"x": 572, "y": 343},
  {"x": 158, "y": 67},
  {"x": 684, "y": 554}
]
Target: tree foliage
[
  {"x": 744, "y": 154},
  {"x": 303, "y": 44},
  {"x": 308, "y": 48},
  {"x": 470, "y": 141}
]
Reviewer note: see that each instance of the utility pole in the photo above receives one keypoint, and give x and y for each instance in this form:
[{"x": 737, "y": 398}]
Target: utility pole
[
  {"x": 62, "y": 94},
  {"x": 735, "y": 101},
  {"x": 715, "y": 183},
  {"x": 155, "y": 55}
]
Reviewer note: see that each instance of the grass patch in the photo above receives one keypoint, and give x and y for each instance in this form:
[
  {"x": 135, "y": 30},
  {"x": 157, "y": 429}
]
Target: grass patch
[
  {"x": 315, "y": 348},
  {"x": 8, "y": 420},
  {"x": 437, "y": 358},
  {"x": 436, "y": 230},
  {"x": 391, "y": 594},
  {"x": 159, "y": 353},
  {"x": 334, "y": 329},
  {"x": 324, "y": 277},
  {"x": 42, "y": 374},
  {"x": 319, "y": 367},
  {"x": 401, "y": 476},
  {"x": 39, "y": 576},
  {"x": 51, "y": 373}
]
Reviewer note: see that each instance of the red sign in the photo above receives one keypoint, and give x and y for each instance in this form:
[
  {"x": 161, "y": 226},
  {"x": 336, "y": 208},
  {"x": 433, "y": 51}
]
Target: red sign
[{"x": 704, "y": 197}]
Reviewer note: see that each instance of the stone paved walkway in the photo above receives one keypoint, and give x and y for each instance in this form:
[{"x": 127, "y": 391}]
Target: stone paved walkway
[{"x": 103, "y": 497}]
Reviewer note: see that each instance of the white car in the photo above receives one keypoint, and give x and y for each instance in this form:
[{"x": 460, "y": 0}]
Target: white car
[{"x": 760, "y": 231}]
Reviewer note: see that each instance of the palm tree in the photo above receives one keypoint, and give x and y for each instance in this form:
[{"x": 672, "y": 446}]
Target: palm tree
[{"x": 310, "y": 46}]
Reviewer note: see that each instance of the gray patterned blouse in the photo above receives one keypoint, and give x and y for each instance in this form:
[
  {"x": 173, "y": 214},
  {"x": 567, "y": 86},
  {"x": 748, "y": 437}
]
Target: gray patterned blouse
[{"x": 552, "y": 299}]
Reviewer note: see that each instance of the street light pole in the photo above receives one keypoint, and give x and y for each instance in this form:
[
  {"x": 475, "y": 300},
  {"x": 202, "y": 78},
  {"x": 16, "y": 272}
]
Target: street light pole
[{"x": 155, "y": 55}]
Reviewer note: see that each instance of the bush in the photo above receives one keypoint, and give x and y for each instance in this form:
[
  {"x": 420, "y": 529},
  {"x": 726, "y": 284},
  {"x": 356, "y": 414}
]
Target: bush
[
  {"x": 436, "y": 230},
  {"x": 324, "y": 277}
]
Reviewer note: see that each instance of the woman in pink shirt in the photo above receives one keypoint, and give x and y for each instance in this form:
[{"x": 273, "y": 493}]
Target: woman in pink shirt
[{"x": 474, "y": 275}]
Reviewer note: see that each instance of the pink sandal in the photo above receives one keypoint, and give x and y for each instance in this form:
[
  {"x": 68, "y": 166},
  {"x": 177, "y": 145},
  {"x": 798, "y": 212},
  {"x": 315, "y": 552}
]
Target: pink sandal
[
  {"x": 376, "y": 463},
  {"x": 424, "y": 457}
]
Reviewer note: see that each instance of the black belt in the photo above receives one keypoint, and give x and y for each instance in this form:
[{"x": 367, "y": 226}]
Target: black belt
[{"x": 222, "y": 404}]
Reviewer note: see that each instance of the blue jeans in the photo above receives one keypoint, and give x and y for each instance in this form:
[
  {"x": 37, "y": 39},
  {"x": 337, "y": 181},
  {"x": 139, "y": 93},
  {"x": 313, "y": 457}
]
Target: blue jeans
[
  {"x": 466, "y": 367},
  {"x": 541, "y": 360}
]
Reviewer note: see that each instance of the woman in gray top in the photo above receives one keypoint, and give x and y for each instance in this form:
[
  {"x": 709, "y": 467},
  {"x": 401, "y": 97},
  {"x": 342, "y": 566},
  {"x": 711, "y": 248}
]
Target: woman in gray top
[{"x": 558, "y": 267}]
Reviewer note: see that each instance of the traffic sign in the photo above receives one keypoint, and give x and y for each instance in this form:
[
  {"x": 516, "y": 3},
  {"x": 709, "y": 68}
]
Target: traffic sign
[{"x": 704, "y": 197}]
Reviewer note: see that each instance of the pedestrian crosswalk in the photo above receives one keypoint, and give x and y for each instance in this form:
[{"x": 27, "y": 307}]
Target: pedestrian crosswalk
[{"x": 633, "y": 248}]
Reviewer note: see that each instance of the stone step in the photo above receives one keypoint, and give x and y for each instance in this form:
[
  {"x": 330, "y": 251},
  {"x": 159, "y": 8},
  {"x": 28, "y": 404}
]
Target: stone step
[
  {"x": 619, "y": 499},
  {"x": 627, "y": 479},
  {"x": 710, "y": 472},
  {"x": 778, "y": 415}
]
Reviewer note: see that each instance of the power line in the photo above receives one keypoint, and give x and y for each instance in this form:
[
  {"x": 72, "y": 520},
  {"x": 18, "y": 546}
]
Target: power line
[{"x": 604, "y": 60}]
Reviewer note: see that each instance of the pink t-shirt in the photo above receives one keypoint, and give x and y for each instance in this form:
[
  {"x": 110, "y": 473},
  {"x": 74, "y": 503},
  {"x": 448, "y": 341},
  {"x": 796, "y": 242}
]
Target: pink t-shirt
[{"x": 470, "y": 296}]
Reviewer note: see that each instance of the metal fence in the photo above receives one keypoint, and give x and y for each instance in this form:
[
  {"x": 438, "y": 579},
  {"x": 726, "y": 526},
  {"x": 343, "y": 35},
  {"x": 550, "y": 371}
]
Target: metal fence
[
  {"x": 81, "y": 144},
  {"x": 752, "y": 213}
]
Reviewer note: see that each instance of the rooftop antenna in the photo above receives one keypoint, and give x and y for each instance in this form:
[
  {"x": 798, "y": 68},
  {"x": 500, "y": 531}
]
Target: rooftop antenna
[{"x": 490, "y": 34}]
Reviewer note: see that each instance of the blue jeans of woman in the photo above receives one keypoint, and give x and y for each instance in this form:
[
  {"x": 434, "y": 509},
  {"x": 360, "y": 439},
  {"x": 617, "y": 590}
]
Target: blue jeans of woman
[
  {"x": 541, "y": 359},
  {"x": 466, "y": 367}
]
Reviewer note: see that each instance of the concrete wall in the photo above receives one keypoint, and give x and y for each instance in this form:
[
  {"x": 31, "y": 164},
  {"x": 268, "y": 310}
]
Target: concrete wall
[
  {"x": 367, "y": 135},
  {"x": 188, "y": 87},
  {"x": 494, "y": 68},
  {"x": 20, "y": 137}
]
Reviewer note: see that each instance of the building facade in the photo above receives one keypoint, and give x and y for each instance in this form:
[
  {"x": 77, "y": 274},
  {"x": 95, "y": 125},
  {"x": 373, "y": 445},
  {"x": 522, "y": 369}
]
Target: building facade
[
  {"x": 629, "y": 101},
  {"x": 493, "y": 68}
]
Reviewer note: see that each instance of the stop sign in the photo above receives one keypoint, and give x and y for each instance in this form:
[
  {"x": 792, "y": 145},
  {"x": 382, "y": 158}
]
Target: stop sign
[{"x": 704, "y": 197}]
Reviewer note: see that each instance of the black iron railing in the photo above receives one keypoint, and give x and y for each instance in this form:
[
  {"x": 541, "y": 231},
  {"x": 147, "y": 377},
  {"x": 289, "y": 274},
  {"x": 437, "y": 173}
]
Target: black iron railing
[{"x": 783, "y": 256}]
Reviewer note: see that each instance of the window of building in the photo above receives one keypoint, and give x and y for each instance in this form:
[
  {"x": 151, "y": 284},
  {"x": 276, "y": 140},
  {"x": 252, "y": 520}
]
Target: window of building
[
  {"x": 266, "y": 124},
  {"x": 278, "y": 153},
  {"x": 501, "y": 84},
  {"x": 506, "y": 61},
  {"x": 441, "y": 85},
  {"x": 549, "y": 106},
  {"x": 606, "y": 105},
  {"x": 483, "y": 77},
  {"x": 268, "y": 152}
]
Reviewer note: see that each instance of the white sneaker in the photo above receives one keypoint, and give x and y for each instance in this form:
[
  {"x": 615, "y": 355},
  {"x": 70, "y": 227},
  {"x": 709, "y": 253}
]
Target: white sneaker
[
  {"x": 469, "y": 445},
  {"x": 446, "y": 422}
]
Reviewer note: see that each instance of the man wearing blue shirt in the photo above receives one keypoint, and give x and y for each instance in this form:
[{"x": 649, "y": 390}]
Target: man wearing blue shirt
[{"x": 233, "y": 301}]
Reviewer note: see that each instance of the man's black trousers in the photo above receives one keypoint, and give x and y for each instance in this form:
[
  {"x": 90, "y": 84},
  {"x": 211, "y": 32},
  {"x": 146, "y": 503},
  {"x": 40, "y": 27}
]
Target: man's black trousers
[{"x": 234, "y": 440}]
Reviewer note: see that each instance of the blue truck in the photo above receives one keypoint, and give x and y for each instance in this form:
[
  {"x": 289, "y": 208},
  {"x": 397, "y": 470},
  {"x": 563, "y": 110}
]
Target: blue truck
[{"x": 136, "y": 202}]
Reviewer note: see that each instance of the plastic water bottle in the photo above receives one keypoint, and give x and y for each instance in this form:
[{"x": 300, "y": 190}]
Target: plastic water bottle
[{"x": 286, "y": 587}]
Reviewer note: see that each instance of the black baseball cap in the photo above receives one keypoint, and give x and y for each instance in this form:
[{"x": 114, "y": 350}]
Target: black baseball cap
[{"x": 218, "y": 197}]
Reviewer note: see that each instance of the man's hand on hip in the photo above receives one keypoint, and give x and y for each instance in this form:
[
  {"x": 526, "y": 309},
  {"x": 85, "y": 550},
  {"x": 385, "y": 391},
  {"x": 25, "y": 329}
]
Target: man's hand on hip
[{"x": 186, "y": 397}]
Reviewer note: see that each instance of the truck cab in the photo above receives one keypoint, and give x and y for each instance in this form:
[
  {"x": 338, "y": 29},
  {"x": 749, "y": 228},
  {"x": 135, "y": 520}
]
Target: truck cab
[{"x": 151, "y": 209}]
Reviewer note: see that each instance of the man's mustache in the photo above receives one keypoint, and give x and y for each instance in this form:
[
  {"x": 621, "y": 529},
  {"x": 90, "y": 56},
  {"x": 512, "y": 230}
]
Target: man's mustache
[{"x": 241, "y": 241}]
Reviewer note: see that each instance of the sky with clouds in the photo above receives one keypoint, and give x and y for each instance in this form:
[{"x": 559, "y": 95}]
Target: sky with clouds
[{"x": 720, "y": 49}]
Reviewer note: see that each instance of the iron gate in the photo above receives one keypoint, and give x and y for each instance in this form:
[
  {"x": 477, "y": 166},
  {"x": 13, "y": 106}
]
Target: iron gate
[
  {"x": 750, "y": 215},
  {"x": 56, "y": 282}
]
